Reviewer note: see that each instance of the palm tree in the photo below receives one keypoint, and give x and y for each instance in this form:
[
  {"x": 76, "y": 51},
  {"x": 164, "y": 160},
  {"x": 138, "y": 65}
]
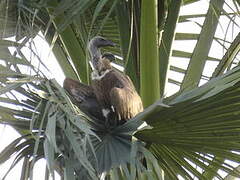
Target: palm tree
[{"x": 189, "y": 134}]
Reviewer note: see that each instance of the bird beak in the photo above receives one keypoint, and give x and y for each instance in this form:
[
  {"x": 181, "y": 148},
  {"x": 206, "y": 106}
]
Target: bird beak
[{"x": 110, "y": 43}]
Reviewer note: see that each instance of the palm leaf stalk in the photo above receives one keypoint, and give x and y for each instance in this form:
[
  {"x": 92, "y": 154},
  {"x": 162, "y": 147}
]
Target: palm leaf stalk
[
  {"x": 125, "y": 19},
  {"x": 166, "y": 43},
  {"x": 202, "y": 47},
  {"x": 149, "y": 53},
  {"x": 165, "y": 47}
]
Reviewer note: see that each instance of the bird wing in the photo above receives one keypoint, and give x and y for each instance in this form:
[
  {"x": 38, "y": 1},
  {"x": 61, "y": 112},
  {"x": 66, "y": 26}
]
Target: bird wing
[
  {"x": 126, "y": 102},
  {"x": 78, "y": 90},
  {"x": 117, "y": 90},
  {"x": 83, "y": 96}
]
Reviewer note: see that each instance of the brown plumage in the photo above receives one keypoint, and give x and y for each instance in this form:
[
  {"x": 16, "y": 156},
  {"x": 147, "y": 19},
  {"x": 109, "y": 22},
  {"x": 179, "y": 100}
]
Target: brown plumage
[
  {"x": 83, "y": 96},
  {"x": 110, "y": 89},
  {"x": 115, "y": 91}
]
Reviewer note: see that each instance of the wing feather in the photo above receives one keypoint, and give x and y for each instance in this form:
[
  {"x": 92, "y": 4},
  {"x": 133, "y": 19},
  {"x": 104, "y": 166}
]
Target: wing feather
[
  {"x": 126, "y": 102},
  {"x": 83, "y": 96}
]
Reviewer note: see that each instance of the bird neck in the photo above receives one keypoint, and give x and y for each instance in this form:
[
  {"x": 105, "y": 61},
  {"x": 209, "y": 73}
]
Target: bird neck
[
  {"x": 95, "y": 54},
  {"x": 103, "y": 68},
  {"x": 103, "y": 65}
]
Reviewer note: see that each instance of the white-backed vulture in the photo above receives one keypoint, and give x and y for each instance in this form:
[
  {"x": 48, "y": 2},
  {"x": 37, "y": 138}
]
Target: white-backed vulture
[{"x": 115, "y": 90}]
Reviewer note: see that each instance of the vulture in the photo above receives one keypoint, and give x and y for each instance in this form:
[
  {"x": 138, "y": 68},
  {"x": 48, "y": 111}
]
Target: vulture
[
  {"x": 114, "y": 90},
  {"x": 111, "y": 94},
  {"x": 83, "y": 95}
]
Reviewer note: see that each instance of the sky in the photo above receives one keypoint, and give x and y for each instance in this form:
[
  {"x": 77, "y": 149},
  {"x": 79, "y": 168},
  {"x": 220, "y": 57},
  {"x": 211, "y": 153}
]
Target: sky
[{"x": 7, "y": 134}]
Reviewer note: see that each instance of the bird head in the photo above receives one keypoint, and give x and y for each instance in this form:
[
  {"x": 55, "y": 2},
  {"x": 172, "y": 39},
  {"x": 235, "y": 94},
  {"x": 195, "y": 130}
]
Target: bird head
[
  {"x": 108, "y": 56},
  {"x": 99, "y": 42},
  {"x": 104, "y": 62},
  {"x": 94, "y": 48}
]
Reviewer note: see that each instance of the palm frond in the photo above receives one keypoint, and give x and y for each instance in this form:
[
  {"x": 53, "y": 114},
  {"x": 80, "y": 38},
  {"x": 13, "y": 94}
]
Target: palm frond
[
  {"x": 228, "y": 58},
  {"x": 202, "y": 47},
  {"x": 165, "y": 48},
  {"x": 196, "y": 125}
]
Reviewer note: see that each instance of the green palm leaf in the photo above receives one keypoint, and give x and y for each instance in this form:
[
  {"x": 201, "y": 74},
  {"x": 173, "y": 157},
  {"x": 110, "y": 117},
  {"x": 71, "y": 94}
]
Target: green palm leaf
[{"x": 203, "y": 121}]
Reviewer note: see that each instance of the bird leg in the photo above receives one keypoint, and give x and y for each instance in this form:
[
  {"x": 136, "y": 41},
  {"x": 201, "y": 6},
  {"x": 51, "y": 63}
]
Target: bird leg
[
  {"x": 105, "y": 112},
  {"x": 110, "y": 117}
]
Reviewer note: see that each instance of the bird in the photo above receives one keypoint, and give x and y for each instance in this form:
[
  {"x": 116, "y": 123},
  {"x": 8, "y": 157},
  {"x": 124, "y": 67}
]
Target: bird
[
  {"x": 115, "y": 91},
  {"x": 111, "y": 93},
  {"x": 81, "y": 94}
]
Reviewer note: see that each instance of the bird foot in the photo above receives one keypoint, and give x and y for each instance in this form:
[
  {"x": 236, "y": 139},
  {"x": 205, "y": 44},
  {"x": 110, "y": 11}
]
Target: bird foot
[{"x": 105, "y": 112}]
